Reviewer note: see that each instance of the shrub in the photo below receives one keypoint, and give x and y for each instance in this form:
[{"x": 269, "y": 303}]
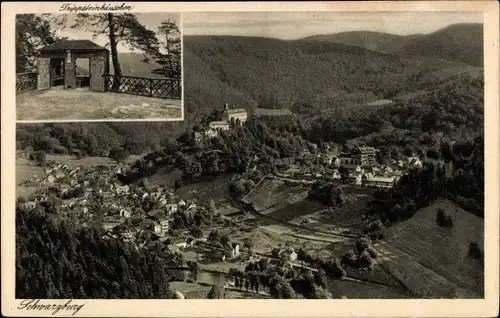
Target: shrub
[
  {"x": 362, "y": 244},
  {"x": 39, "y": 157},
  {"x": 475, "y": 251},
  {"x": 364, "y": 260},
  {"x": 349, "y": 258},
  {"x": 373, "y": 253}
]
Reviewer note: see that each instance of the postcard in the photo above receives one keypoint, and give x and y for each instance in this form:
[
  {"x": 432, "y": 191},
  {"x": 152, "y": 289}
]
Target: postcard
[{"x": 266, "y": 159}]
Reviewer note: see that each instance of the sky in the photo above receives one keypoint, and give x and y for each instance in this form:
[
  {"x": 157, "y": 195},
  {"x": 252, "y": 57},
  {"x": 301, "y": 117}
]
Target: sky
[
  {"x": 150, "y": 20},
  {"x": 295, "y": 25}
]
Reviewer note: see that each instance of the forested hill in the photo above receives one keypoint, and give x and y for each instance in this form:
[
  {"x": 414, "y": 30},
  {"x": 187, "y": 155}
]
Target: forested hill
[
  {"x": 375, "y": 41},
  {"x": 247, "y": 71},
  {"x": 457, "y": 42}
]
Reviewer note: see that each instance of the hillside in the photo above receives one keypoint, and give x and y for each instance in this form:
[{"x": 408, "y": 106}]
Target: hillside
[
  {"x": 458, "y": 42},
  {"x": 247, "y": 70},
  {"x": 438, "y": 257}
]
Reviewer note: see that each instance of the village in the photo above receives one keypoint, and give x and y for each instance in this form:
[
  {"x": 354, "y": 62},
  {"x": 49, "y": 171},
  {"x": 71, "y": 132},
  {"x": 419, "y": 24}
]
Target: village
[
  {"x": 193, "y": 237},
  {"x": 358, "y": 166}
]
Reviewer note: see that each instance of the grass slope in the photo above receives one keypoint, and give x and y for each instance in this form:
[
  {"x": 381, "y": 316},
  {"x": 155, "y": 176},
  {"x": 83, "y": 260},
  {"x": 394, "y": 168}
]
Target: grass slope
[{"x": 434, "y": 261}]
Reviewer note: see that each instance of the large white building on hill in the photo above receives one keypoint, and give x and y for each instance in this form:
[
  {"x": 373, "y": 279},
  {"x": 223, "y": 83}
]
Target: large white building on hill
[{"x": 237, "y": 115}]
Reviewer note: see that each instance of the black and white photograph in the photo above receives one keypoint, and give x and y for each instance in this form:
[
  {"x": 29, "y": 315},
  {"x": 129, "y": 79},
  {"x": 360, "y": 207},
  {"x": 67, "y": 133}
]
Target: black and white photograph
[
  {"x": 248, "y": 155},
  {"x": 331, "y": 159},
  {"x": 98, "y": 66}
]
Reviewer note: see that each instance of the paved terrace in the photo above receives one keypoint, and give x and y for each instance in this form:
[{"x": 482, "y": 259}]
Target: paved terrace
[{"x": 77, "y": 104}]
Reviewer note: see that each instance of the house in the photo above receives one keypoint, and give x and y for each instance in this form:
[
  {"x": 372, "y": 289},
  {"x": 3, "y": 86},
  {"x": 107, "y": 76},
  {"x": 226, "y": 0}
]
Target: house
[
  {"x": 157, "y": 228},
  {"x": 122, "y": 189},
  {"x": 59, "y": 175},
  {"x": 325, "y": 160},
  {"x": 164, "y": 226},
  {"x": 198, "y": 136},
  {"x": 234, "y": 115},
  {"x": 387, "y": 170},
  {"x": 288, "y": 254},
  {"x": 414, "y": 162},
  {"x": 211, "y": 133},
  {"x": 346, "y": 159},
  {"x": 336, "y": 175},
  {"x": 125, "y": 213},
  {"x": 181, "y": 203},
  {"x": 364, "y": 155},
  {"x": 336, "y": 162},
  {"x": 51, "y": 179},
  {"x": 354, "y": 168},
  {"x": 28, "y": 206},
  {"x": 171, "y": 208},
  {"x": 231, "y": 250},
  {"x": 378, "y": 181},
  {"x": 356, "y": 178}
]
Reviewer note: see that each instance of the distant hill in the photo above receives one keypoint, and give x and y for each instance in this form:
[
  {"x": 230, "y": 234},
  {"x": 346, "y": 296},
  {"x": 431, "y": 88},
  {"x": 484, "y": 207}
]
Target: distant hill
[
  {"x": 132, "y": 64},
  {"x": 457, "y": 42},
  {"x": 375, "y": 41}
]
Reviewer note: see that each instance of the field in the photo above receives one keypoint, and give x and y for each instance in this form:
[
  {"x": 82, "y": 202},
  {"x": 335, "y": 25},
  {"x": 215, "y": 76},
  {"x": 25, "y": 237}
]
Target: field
[
  {"x": 379, "y": 102},
  {"x": 214, "y": 188},
  {"x": 58, "y": 104},
  {"x": 166, "y": 177},
  {"x": 271, "y": 195},
  {"x": 272, "y": 112},
  {"x": 433, "y": 261},
  {"x": 358, "y": 290},
  {"x": 197, "y": 291}
]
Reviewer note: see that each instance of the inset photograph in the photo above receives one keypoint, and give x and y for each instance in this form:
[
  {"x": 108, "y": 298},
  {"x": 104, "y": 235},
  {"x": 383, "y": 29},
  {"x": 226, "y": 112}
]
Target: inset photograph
[{"x": 98, "y": 67}]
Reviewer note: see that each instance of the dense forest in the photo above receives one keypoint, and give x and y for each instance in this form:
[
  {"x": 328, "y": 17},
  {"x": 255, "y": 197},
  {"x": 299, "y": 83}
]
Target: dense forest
[
  {"x": 460, "y": 177},
  {"x": 233, "y": 151},
  {"x": 57, "y": 259},
  {"x": 326, "y": 75},
  {"x": 452, "y": 112}
]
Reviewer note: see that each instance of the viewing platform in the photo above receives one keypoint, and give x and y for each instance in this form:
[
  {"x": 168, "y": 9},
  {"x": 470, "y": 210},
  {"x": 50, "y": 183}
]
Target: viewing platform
[{"x": 84, "y": 104}]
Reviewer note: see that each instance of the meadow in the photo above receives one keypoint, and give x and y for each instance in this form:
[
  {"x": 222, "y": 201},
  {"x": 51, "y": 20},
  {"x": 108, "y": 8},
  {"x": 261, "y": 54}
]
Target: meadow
[{"x": 434, "y": 261}]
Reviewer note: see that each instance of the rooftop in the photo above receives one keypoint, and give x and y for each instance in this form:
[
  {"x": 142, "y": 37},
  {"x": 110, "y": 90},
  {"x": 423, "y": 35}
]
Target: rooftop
[
  {"x": 236, "y": 111},
  {"x": 220, "y": 122},
  {"x": 73, "y": 45}
]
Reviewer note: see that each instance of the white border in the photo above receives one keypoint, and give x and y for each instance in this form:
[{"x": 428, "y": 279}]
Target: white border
[{"x": 270, "y": 308}]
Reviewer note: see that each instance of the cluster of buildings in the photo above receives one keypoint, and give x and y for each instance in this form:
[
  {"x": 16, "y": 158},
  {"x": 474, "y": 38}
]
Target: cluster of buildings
[
  {"x": 94, "y": 193},
  {"x": 358, "y": 167},
  {"x": 237, "y": 116}
]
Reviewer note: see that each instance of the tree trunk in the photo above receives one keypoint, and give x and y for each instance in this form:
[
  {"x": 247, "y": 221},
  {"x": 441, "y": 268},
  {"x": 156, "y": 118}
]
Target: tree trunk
[{"x": 114, "y": 52}]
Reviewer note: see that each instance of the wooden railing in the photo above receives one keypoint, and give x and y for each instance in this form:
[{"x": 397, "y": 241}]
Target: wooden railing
[
  {"x": 26, "y": 81},
  {"x": 153, "y": 87}
]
